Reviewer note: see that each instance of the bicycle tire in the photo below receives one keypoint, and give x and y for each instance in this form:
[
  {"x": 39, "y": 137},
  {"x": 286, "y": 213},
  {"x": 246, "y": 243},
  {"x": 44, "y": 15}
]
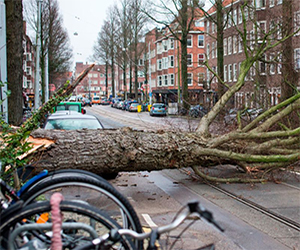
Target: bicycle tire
[
  {"x": 76, "y": 211},
  {"x": 98, "y": 191},
  {"x": 63, "y": 173}
]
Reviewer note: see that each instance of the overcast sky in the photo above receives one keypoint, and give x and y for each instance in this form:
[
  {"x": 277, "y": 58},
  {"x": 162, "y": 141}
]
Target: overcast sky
[{"x": 84, "y": 17}]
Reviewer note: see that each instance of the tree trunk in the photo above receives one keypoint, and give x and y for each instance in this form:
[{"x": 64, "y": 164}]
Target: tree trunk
[{"x": 14, "y": 39}]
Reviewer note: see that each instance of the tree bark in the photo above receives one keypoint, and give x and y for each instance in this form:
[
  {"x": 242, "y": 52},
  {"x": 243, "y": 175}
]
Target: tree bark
[{"x": 14, "y": 38}]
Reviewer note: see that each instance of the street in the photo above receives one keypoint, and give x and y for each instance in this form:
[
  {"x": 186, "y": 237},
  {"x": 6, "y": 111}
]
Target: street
[{"x": 157, "y": 196}]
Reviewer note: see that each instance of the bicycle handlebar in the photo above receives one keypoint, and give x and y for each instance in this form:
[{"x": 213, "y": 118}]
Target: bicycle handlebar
[{"x": 115, "y": 234}]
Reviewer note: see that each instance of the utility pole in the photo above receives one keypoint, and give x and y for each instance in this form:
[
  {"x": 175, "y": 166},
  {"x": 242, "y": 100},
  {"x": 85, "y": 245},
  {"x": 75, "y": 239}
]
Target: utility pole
[
  {"x": 150, "y": 90},
  {"x": 3, "y": 62},
  {"x": 47, "y": 79},
  {"x": 37, "y": 65}
]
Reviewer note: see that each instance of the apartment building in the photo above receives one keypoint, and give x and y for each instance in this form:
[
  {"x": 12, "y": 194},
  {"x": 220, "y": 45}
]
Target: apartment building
[
  {"x": 263, "y": 21},
  {"x": 165, "y": 56},
  {"x": 28, "y": 67}
]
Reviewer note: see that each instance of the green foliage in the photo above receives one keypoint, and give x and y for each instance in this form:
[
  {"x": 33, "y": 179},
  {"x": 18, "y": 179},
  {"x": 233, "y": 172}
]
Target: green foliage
[{"x": 13, "y": 142}]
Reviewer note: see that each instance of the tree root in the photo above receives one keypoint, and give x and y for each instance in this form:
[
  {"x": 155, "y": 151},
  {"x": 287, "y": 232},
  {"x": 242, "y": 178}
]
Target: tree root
[{"x": 225, "y": 180}]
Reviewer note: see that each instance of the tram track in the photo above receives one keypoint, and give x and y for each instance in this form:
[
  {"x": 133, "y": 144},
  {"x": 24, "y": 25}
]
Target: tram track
[{"x": 280, "y": 218}]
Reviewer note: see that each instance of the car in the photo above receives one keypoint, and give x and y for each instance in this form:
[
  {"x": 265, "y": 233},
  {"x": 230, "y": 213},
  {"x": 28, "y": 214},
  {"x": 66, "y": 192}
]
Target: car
[
  {"x": 75, "y": 106},
  {"x": 128, "y": 103},
  {"x": 96, "y": 100},
  {"x": 120, "y": 105},
  {"x": 104, "y": 101},
  {"x": 133, "y": 107},
  {"x": 115, "y": 100},
  {"x": 159, "y": 109},
  {"x": 197, "y": 111},
  {"x": 70, "y": 120},
  {"x": 86, "y": 102}
]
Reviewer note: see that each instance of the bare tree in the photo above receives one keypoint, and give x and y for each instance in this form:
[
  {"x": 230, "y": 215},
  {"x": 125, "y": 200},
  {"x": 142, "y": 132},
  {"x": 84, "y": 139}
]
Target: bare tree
[
  {"x": 55, "y": 46},
  {"x": 178, "y": 17}
]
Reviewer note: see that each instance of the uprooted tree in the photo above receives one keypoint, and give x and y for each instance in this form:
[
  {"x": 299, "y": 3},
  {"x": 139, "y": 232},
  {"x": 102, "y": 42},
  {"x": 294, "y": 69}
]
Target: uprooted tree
[{"x": 259, "y": 147}]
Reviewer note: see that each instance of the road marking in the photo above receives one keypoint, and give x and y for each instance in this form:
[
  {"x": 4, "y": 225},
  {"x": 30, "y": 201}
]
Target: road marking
[{"x": 149, "y": 221}]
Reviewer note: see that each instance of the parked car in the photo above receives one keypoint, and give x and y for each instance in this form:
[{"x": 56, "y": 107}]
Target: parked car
[
  {"x": 197, "y": 111},
  {"x": 104, "y": 101},
  {"x": 128, "y": 103},
  {"x": 96, "y": 100},
  {"x": 115, "y": 105},
  {"x": 120, "y": 105},
  {"x": 158, "y": 109},
  {"x": 86, "y": 102},
  {"x": 114, "y": 100},
  {"x": 75, "y": 106},
  {"x": 133, "y": 107},
  {"x": 70, "y": 120}
]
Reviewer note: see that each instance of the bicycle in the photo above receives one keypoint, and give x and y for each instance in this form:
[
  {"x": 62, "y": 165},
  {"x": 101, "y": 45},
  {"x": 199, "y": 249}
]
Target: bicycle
[
  {"x": 76, "y": 185},
  {"x": 115, "y": 235}
]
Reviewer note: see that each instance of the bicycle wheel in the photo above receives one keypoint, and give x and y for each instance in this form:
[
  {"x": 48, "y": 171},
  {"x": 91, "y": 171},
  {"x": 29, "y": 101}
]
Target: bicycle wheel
[
  {"x": 86, "y": 223},
  {"x": 45, "y": 176},
  {"x": 97, "y": 193}
]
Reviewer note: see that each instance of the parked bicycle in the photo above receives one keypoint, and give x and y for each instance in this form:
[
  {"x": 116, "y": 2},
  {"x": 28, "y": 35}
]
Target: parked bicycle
[{"x": 74, "y": 185}]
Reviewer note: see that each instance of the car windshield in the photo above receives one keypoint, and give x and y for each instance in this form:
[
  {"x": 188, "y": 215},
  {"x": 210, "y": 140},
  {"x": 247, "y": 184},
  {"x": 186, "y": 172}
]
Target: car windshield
[
  {"x": 134, "y": 104},
  {"x": 96, "y": 98},
  {"x": 72, "y": 124},
  {"x": 159, "y": 106}
]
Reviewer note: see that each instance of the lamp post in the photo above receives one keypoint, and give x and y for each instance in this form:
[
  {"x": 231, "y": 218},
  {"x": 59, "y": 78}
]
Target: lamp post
[{"x": 37, "y": 65}]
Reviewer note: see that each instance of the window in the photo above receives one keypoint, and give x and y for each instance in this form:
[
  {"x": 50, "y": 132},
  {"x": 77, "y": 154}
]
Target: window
[
  {"x": 159, "y": 48},
  {"x": 279, "y": 1},
  {"x": 207, "y": 51},
  {"x": 271, "y": 3},
  {"x": 229, "y": 45},
  {"x": 262, "y": 29},
  {"x": 199, "y": 23},
  {"x": 260, "y": 3},
  {"x": 201, "y": 41},
  {"x": 229, "y": 23},
  {"x": 224, "y": 20},
  {"x": 200, "y": 59},
  {"x": 235, "y": 16},
  {"x": 225, "y": 73},
  {"x": 207, "y": 78},
  {"x": 171, "y": 61},
  {"x": 297, "y": 58},
  {"x": 189, "y": 60},
  {"x": 234, "y": 44},
  {"x": 190, "y": 41},
  {"x": 171, "y": 79},
  {"x": 141, "y": 62},
  {"x": 159, "y": 80},
  {"x": 262, "y": 65},
  {"x": 229, "y": 73},
  {"x": 213, "y": 26},
  {"x": 28, "y": 71},
  {"x": 246, "y": 14},
  {"x": 28, "y": 57},
  {"x": 297, "y": 22},
  {"x": 225, "y": 46},
  {"x": 279, "y": 65},
  {"x": 213, "y": 50},
  {"x": 240, "y": 45},
  {"x": 95, "y": 82},
  {"x": 165, "y": 45},
  {"x": 234, "y": 72},
  {"x": 171, "y": 41},
  {"x": 272, "y": 64},
  {"x": 201, "y": 79},
  {"x": 190, "y": 79},
  {"x": 207, "y": 26},
  {"x": 240, "y": 16},
  {"x": 166, "y": 79},
  {"x": 159, "y": 66}
]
